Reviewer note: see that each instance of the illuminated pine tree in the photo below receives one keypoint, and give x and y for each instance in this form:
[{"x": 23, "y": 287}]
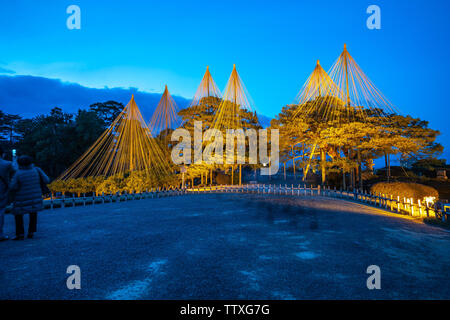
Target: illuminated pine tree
[{"x": 127, "y": 145}]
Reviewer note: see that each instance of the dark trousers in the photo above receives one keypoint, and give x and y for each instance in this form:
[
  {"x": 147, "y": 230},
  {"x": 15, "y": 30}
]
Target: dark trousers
[{"x": 31, "y": 226}]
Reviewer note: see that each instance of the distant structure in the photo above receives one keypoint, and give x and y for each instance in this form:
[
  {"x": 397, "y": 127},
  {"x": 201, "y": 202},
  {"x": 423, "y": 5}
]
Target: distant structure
[{"x": 441, "y": 174}]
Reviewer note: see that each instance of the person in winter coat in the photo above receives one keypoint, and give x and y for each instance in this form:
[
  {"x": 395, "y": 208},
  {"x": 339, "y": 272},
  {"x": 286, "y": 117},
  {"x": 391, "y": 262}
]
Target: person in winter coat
[
  {"x": 27, "y": 195},
  {"x": 6, "y": 172}
]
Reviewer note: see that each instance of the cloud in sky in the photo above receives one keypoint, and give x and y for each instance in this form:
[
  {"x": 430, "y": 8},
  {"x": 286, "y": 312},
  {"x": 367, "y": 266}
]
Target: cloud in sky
[
  {"x": 94, "y": 76},
  {"x": 30, "y": 95},
  {"x": 8, "y": 71}
]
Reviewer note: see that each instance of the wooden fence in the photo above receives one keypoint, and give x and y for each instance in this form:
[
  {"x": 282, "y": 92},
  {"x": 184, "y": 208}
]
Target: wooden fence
[{"x": 411, "y": 207}]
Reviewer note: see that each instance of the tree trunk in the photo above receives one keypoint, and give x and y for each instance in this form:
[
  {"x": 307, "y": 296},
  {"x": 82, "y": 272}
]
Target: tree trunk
[
  {"x": 389, "y": 166},
  {"x": 284, "y": 163},
  {"x": 344, "y": 186},
  {"x": 386, "y": 165},
  {"x": 293, "y": 165},
  {"x": 293, "y": 160},
  {"x": 352, "y": 171},
  {"x": 232, "y": 174},
  {"x": 360, "y": 170},
  {"x": 322, "y": 165},
  {"x": 240, "y": 174},
  {"x": 303, "y": 159}
]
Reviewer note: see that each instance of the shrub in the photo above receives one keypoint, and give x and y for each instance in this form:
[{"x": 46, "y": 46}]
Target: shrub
[
  {"x": 58, "y": 186},
  {"x": 112, "y": 184},
  {"x": 136, "y": 181},
  {"x": 222, "y": 178},
  {"x": 405, "y": 190}
]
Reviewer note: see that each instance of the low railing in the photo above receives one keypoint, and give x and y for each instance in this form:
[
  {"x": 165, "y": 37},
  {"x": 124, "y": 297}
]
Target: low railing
[
  {"x": 387, "y": 202},
  {"x": 397, "y": 205},
  {"x": 64, "y": 202}
]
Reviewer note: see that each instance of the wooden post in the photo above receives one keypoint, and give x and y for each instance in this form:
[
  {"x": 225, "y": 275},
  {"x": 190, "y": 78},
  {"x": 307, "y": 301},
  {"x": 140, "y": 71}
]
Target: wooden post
[
  {"x": 240, "y": 174},
  {"x": 232, "y": 174},
  {"x": 293, "y": 166},
  {"x": 420, "y": 208},
  {"x": 323, "y": 159},
  {"x": 360, "y": 181}
]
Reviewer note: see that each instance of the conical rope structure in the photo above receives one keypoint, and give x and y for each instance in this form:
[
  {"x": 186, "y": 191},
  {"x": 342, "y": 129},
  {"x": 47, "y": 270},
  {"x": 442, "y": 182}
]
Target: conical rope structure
[
  {"x": 234, "y": 108},
  {"x": 343, "y": 95},
  {"x": 346, "y": 94},
  {"x": 165, "y": 115},
  {"x": 311, "y": 99},
  {"x": 317, "y": 85},
  {"x": 235, "y": 101},
  {"x": 207, "y": 88},
  {"x": 127, "y": 145}
]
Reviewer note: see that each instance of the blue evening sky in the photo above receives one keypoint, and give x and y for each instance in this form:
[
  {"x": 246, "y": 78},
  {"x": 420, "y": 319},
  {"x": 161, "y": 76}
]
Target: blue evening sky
[{"x": 275, "y": 44}]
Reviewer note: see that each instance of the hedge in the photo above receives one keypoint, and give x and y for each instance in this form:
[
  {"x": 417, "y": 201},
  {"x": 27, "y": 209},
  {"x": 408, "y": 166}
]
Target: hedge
[{"x": 405, "y": 190}]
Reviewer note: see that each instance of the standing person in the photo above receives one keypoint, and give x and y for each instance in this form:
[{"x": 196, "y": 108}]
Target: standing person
[
  {"x": 27, "y": 195},
  {"x": 6, "y": 172}
]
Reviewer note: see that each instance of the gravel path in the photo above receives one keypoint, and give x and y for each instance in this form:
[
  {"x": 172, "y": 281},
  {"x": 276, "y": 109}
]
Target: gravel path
[{"x": 226, "y": 246}]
